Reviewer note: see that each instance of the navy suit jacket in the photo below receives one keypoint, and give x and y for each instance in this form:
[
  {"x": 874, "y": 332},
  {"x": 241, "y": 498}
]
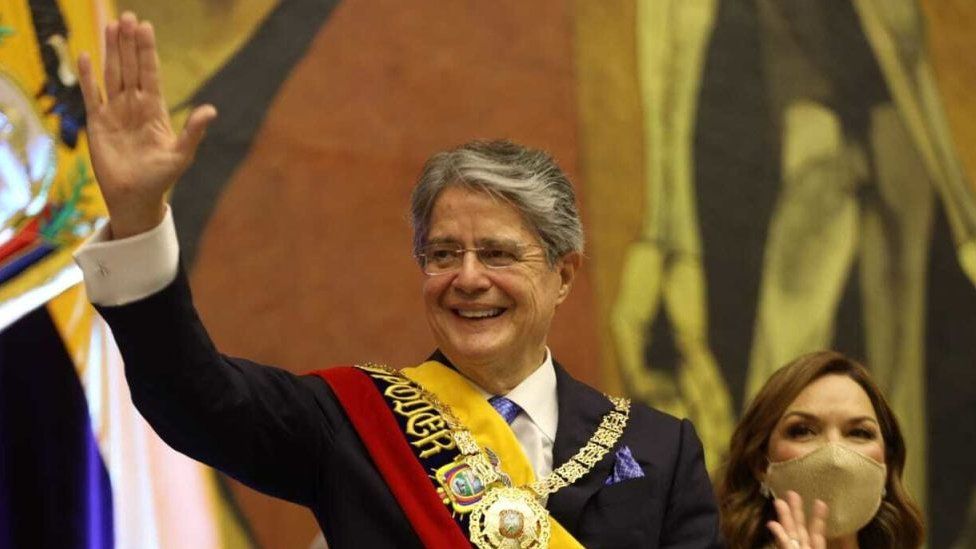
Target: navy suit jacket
[{"x": 287, "y": 436}]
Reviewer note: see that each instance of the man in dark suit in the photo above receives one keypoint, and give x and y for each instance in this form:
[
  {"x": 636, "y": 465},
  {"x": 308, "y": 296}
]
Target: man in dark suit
[{"x": 489, "y": 442}]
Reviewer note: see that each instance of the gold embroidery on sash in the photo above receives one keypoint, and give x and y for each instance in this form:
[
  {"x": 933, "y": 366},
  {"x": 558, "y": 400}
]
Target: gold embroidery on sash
[{"x": 426, "y": 427}]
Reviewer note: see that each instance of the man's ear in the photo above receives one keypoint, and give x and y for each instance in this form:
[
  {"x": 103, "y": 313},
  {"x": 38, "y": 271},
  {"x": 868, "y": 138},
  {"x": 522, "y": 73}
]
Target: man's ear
[{"x": 567, "y": 267}]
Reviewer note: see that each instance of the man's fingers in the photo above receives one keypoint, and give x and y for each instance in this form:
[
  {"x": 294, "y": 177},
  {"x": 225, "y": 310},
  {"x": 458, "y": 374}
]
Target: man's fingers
[
  {"x": 89, "y": 86},
  {"x": 148, "y": 58},
  {"x": 127, "y": 51},
  {"x": 113, "y": 78},
  {"x": 193, "y": 131}
]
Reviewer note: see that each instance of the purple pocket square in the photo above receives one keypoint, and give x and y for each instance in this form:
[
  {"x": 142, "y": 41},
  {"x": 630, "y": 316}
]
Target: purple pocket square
[{"x": 624, "y": 468}]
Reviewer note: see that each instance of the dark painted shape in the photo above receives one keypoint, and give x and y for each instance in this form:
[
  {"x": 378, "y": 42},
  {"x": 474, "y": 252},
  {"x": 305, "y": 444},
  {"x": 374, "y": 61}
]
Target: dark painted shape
[
  {"x": 242, "y": 90},
  {"x": 737, "y": 180},
  {"x": 950, "y": 340}
]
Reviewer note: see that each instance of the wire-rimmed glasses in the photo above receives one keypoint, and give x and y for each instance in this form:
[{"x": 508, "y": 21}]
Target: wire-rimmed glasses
[{"x": 439, "y": 258}]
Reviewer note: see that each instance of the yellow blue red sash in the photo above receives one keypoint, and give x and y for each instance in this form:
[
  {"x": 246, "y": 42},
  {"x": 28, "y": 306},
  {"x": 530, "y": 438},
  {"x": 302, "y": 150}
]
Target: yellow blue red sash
[{"x": 435, "y": 488}]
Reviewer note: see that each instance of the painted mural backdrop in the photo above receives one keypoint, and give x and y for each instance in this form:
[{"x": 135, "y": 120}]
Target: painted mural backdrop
[
  {"x": 758, "y": 178},
  {"x": 801, "y": 188}
]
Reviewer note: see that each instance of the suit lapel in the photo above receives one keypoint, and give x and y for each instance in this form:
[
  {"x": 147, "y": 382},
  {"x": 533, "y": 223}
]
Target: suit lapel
[{"x": 581, "y": 409}]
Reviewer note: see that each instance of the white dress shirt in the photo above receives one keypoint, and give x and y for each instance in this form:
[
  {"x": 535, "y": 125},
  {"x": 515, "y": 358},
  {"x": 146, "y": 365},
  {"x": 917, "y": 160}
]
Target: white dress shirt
[
  {"x": 535, "y": 426},
  {"x": 121, "y": 271}
]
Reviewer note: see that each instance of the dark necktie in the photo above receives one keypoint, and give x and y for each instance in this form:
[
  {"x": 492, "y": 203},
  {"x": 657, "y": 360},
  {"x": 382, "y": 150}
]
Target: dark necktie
[{"x": 508, "y": 409}]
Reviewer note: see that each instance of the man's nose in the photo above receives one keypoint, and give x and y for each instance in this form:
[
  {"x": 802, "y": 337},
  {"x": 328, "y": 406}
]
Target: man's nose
[{"x": 472, "y": 274}]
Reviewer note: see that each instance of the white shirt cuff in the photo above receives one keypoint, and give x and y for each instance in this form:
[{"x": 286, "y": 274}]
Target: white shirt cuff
[{"x": 129, "y": 269}]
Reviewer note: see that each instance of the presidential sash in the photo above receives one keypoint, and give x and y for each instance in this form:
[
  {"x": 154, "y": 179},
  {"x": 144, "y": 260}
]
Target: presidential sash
[
  {"x": 383, "y": 433},
  {"x": 451, "y": 492}
]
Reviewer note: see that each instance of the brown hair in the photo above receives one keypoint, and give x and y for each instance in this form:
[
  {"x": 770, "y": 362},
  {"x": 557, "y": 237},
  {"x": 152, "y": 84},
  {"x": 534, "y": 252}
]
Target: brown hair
[{"x": 745, "y": 511}]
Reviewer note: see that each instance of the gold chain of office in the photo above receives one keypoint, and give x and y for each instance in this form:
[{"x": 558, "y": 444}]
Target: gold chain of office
[{"x": 508, "y": 514}]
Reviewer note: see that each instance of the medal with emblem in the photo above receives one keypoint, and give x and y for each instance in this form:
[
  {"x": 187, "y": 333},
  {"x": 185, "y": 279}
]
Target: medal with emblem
[
  {"x": 463, "y": 481},
  {"x": 460, "y": 485},
  {"x": 509, "y": 518}
]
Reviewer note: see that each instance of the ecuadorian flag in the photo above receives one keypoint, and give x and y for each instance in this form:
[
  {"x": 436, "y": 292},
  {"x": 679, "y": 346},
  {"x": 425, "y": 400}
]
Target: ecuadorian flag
[{"x": 78, "y": 466}]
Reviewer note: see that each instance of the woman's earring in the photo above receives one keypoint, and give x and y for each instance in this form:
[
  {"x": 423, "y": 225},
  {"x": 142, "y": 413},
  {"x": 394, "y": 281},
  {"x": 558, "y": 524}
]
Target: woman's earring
[{"x": 764, "y": 489}]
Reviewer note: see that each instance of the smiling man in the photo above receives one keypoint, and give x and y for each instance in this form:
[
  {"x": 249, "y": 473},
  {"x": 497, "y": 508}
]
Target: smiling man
[
  {"x": 489, "y": 442},
  {"x": 490, "y": 310}
]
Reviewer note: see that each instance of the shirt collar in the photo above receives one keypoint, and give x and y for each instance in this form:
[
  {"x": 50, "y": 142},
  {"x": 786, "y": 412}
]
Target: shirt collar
[{"x": 537, "y": 397}]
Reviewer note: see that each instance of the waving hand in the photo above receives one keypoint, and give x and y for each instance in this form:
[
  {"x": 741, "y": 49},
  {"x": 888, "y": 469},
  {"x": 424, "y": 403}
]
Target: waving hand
[
  {"x": 792, "y": 530},
  {"x": 135, "y": 153}
]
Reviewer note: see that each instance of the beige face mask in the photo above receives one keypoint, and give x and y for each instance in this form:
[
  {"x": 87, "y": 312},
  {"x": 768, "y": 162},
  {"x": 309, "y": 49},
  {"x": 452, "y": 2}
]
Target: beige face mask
[{"x": 850, "y": 483}]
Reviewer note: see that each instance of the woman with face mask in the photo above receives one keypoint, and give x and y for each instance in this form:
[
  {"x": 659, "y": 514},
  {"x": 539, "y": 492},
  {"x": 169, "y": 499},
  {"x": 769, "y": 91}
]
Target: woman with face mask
[{"x": 816, "y": 462}]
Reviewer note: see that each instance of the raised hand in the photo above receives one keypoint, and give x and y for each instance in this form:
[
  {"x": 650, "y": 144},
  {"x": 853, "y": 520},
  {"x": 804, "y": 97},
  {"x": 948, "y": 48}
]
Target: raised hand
[
  {"x": 135, "y": 153},
  {"x": 792, "y": 531}
]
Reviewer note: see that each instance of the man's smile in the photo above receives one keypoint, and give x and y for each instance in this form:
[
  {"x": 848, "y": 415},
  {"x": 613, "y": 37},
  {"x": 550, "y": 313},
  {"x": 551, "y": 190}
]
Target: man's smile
[{"x": 479, "y": 314}]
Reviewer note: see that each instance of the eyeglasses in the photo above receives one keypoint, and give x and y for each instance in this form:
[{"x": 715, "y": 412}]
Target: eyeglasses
[{"x": 444, "y": 257}]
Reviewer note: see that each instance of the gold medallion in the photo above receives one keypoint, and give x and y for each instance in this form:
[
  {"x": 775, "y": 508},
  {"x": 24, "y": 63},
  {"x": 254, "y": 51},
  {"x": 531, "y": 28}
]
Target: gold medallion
[{"x": 509, "y": 518}]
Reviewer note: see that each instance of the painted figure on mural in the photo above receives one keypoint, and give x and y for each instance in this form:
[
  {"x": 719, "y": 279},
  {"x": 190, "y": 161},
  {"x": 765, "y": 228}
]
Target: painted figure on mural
[
  {"x": 664, "y": 267},
  {"x": 864, "y": 152}
]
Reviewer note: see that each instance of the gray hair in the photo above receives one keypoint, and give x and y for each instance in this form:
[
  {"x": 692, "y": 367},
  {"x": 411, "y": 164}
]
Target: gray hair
[{"x": 528, "y": 179}]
